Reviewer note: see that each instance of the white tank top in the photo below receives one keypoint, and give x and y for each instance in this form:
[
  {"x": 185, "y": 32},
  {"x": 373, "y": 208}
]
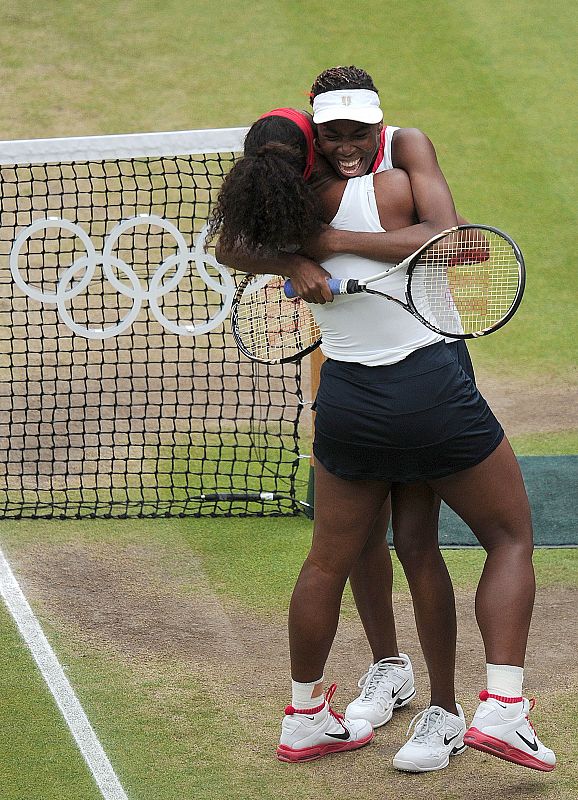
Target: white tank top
[{"x": 362, "y": 328}]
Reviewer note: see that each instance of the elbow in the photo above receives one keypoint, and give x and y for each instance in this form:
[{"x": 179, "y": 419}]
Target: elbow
[
  {"x": 441, "y": 225},
  {"x": 222, "y": 255}
]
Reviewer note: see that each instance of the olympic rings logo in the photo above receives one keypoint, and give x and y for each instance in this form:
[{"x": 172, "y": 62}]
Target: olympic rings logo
[{"x": 76, "y": 278}]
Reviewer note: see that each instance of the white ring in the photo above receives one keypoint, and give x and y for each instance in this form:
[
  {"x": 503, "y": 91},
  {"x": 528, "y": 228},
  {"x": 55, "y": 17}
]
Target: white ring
[
  {"x": 227, "y": 293},
  {"x": 41, "y": 224},
  {"x": 135, "y": 291},
  {"x": 99, "y": 333},
  {"x": 133, "y": 222}
]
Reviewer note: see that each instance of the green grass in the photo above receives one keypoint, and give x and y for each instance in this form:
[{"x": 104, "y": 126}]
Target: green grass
[
  {"x": 172, "y": 477},
  {"x": 29, "y": 714},
  {"x": 490, "y": 84},
  {"x": 257, "y": 561},
  {"x": 176, "y": 728},
  {"x": 559, "y": 443}
]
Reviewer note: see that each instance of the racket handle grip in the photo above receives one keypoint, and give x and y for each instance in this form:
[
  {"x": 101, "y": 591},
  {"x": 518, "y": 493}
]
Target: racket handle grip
[{"x": 336, "y": 285}]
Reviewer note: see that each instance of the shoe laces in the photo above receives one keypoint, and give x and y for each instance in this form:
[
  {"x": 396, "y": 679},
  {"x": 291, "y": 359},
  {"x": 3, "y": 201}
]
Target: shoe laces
[
  {"x": 370, "y": 682},
  {"x": 532, "y": 703},
  {"x": 425, "y": 723},
  {"x": 335, "y": 714}
]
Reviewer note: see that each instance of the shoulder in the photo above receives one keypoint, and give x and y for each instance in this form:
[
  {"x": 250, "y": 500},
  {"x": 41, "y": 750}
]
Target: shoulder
[
  {"x": 391, "y": 179},
  {"x": 410, "y": 148},
  {"x": 409, "y": 135},
  {"x": 394, "y": 198}
]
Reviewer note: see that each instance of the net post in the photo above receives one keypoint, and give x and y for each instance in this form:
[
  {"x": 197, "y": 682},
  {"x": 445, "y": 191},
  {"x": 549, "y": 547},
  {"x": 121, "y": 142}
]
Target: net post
[{"x": 316, "y": 360}]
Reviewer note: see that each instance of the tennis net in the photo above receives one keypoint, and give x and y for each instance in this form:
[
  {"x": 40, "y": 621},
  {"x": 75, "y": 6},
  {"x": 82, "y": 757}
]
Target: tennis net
[{"x": 122, "y": 393}]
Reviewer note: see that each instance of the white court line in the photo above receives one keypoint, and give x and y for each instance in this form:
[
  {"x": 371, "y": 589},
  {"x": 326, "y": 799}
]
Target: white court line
[{"x": 59, "y": 685}]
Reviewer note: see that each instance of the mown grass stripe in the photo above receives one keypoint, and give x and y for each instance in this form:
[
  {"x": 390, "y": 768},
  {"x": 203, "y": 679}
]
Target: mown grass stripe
[{"x": 59, "y": 685}]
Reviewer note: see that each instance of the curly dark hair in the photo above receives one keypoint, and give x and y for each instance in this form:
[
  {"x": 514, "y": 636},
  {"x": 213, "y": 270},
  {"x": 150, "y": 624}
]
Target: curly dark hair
[
  {"x": 336, "y": 78},
  {"x": 264, "y": 202}
]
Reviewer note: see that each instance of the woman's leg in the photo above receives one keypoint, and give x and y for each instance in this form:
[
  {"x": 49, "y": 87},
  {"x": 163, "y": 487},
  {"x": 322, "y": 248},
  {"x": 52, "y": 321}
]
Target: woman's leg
[
  {"x": 415, "y": 524},
  {"x": 491, "y": 499},
  {"x": 345, "y": 513},
  {"x": 371, "y": 581},
  {"x": 388, "y": 684}
]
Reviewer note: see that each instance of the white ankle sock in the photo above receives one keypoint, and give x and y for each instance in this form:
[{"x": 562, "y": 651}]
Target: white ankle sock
[
  {"x": 505, "y": 680},
  {"x": 301, "y": 694}
]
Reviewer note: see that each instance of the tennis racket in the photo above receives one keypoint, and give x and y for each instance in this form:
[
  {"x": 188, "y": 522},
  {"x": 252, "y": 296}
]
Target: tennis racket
[
  {"x": 268, "y": 326},
  {"x": 465, "y": 282}
]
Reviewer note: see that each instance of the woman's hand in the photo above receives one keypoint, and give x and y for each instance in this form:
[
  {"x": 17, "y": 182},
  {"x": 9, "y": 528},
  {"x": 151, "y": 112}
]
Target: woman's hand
[{"x": 309, "y": 280}]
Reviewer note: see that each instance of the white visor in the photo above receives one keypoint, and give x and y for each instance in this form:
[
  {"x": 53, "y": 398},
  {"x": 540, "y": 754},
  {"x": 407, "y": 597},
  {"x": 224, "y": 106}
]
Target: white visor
[{"x": 361, "y": 105}]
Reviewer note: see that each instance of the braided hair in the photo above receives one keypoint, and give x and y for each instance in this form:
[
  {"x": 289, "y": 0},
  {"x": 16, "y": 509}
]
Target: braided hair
[
  {"x": 264, "y": 202},
  {"x": 337, "y": 78}
]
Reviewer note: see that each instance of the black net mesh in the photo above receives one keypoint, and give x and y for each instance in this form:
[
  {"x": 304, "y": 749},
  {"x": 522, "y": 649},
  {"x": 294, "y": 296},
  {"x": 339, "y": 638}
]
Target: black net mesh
[{"x": 122, "y": 392}]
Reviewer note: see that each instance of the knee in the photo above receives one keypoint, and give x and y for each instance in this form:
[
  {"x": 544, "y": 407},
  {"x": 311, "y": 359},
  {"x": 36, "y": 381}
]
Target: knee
[
  {"x": 416, "y": 543},
  {"x": 376, "y": 539},
  {"x": 412, "y": 551},
  {"x": 507, "y": 534},
  {"x": 503, "y": 543},
  {"x": 328, "y": 575}
]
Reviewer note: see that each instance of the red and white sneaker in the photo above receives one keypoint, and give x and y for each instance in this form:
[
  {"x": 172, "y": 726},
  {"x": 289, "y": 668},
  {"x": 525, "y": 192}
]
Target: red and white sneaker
[
  {"x": 316, "y": 732},
  {"x": 501, "y": 727}
]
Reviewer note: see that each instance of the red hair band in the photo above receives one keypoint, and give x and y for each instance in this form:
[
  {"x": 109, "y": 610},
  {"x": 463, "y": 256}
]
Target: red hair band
[{"x": 303, "y": 123}]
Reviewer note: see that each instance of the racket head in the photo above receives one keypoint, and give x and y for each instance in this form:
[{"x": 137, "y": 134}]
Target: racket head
[
  {"x": 268, "y": 326},
  {"x": 468, "y": 282}
]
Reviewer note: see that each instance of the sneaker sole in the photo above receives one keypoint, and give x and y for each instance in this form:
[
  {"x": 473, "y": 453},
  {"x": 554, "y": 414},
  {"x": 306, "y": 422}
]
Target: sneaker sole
[
  {"x": 477, "y": 740},
  {"x": 411, "y": 766},
  {"x": 292, "y": 755}
]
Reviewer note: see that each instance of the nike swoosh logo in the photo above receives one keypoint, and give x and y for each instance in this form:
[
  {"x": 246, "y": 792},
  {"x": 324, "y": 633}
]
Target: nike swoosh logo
[
  {"x": 395, "y": 693},
  {"x": 343, "y": 736},
  {"x": 532, "y": 745},
  {"x": 447, "y": 741}
]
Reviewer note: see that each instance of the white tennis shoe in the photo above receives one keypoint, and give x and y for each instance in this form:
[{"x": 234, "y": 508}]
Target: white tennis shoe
[
  {"x": 501, "y": 727},
  {"x": 437, "y": 735},
  {"x": 386, "y": 685},
  {"x": 313, "y": 733}
]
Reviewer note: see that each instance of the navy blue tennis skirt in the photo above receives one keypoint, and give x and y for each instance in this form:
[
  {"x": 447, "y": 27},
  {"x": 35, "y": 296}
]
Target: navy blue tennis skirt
[{"x": 420, "y": 419}]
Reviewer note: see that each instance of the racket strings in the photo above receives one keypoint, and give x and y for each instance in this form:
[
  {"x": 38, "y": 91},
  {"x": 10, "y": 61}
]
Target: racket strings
[
  {"x": 272, "y": 327},
  {"x": 468, "y": 282}
]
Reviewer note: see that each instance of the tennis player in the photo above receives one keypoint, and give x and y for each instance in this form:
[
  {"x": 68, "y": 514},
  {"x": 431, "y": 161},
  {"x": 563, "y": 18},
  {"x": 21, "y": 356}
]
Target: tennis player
[
  {"x": 384, "y": 436},
  {"x": 352, "y": 150},
  {"x": 354, "y": 143}
]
